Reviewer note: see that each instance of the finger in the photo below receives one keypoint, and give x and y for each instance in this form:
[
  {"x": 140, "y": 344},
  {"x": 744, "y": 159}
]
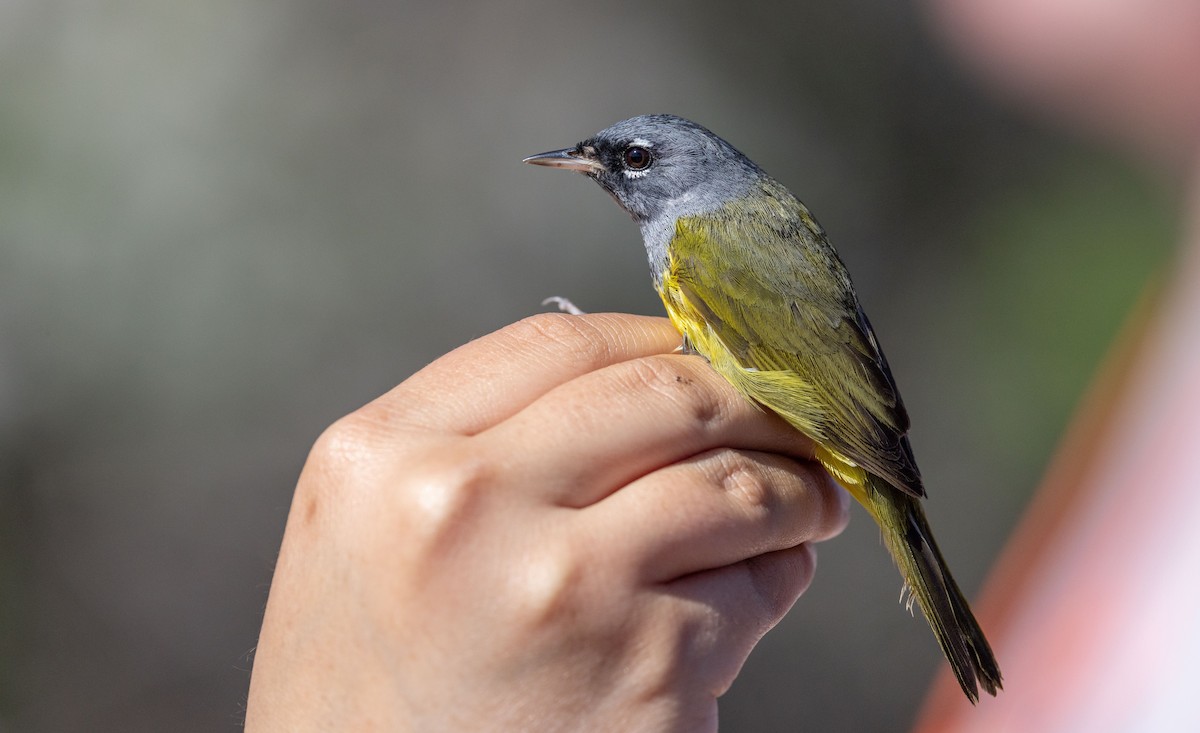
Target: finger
[
  {"x": 720, "y": 508},
  {"x": 594, "y": 434},
  {"x": 489, "y": 379},
  {"x": 727, "y": 611}
]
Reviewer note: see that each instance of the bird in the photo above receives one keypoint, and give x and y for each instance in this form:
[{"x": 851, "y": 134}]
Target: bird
[{"x": 750, "y": 280}]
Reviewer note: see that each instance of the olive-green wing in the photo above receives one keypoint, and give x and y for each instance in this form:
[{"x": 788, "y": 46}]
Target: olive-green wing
[{"x": 785, "y": 309}]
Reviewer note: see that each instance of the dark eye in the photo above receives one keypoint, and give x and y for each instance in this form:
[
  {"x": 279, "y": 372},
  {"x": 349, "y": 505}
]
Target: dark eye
[{"x": 637, "y": 158}]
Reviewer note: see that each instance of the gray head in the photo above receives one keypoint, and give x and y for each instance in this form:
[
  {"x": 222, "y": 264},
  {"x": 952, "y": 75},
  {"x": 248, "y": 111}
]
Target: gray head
[{"x": 659, "y": 164}]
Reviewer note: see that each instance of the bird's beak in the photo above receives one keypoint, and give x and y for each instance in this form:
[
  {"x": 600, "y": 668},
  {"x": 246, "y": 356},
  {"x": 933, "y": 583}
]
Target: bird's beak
[{"x": 575, "y": 159}]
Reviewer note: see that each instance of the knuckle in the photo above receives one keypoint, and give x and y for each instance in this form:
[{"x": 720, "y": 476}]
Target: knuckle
[
  {"x": 439, "y": 491},
  {"x": 676, "y": 380},
  {"x": 548, "y": 588},
  {"x": 747, "y": 482},
  {"x": 793, "y": 497},
  {"x": 340, "y": 462},
  {"x": 773, "y": 488},
  {"x": 573, "y": 336},
  {"x": 343, "y": 448},
  {"x": 429, "y": 497}
]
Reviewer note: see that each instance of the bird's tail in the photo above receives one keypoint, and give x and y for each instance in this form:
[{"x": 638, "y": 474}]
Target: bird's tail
[{"x": 910, "y": 541}]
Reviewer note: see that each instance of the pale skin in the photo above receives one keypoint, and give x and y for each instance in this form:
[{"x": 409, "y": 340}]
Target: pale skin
[{"x": 560, "y": 526}]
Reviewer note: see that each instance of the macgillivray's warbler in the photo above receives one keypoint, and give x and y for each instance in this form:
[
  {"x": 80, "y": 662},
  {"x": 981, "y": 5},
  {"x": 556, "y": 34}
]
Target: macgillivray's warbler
[{"x": 750, "y": 280}]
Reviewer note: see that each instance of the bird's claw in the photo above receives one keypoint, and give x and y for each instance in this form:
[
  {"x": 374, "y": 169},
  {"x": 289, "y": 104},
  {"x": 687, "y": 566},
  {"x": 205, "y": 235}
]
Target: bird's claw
[{"x": 564, "y": 305}]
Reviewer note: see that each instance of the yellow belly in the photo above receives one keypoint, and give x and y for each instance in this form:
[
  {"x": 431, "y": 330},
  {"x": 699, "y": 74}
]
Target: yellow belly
[{"x": 783, "y": 392}]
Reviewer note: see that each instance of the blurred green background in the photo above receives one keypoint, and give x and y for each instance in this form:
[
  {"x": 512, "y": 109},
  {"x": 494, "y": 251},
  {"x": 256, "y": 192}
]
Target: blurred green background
[{"x": 225, "y": 224}]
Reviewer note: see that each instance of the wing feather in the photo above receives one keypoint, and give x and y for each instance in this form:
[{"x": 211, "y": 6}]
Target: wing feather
[{"x": 786, "y": 313}]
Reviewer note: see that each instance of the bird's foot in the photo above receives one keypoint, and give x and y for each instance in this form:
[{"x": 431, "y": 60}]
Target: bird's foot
[{"x": 564, "y": 305}]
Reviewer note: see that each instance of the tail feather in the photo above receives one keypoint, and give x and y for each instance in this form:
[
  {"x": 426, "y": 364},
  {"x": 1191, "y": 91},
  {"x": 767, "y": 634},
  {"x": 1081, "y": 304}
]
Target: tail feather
[{"x": 910, "y": 541}]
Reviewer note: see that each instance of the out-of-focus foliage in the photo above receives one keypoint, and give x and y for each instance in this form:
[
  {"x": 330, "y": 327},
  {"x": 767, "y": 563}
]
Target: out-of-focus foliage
[{"x": 225, "y": 224}]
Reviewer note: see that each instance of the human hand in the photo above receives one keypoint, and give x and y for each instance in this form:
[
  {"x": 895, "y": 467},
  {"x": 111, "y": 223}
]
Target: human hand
[{"x": 559, "y": 526}]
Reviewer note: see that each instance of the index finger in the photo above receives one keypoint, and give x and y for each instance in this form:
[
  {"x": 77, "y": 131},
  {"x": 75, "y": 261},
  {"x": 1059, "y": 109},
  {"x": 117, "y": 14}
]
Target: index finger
[{"x": 493, "y": 377}]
